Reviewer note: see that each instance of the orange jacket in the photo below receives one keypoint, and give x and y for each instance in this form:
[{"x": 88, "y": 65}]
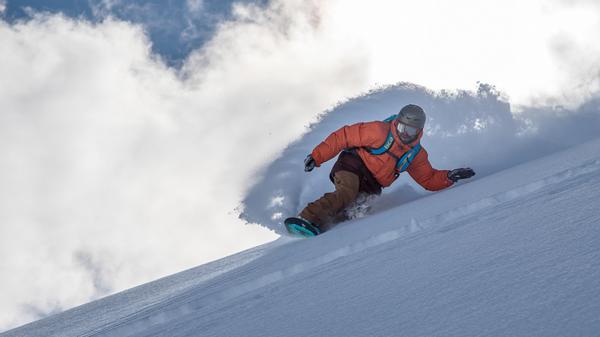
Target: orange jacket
[{"x": 383, "y": 166}]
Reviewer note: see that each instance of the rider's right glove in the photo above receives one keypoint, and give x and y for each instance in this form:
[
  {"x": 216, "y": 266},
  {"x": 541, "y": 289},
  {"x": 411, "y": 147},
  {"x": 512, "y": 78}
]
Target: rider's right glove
[{"x": 460, "y": 173}]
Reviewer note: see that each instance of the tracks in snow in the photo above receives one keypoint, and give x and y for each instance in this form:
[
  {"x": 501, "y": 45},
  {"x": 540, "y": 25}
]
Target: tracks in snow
[{"x": 175, "y": 308}]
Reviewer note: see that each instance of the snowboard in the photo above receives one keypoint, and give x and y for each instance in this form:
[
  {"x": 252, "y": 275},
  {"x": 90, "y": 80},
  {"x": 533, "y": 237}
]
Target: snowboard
[{"x": 300, "y": 227}]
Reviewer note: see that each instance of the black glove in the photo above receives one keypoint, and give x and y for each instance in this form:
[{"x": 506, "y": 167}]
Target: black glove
[
  {"x": 460, "y": 173},
  {"x": 309, "y": 163}
]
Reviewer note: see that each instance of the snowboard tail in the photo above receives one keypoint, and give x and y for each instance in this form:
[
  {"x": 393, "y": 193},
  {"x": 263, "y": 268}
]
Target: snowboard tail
[{"x": 301, "y": 227}]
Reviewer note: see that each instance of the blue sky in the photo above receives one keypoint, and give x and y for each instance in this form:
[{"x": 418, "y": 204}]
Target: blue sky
[{"x": 174, "y": 26}]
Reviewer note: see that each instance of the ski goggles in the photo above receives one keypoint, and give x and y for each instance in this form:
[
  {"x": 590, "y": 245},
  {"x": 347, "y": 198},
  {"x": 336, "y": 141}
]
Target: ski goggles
[{"x": 407, "y": 130}]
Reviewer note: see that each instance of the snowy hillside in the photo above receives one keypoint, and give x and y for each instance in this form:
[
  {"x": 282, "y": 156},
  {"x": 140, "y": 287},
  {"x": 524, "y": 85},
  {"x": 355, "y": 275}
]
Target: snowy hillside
[{"x": 514, "y": 253}]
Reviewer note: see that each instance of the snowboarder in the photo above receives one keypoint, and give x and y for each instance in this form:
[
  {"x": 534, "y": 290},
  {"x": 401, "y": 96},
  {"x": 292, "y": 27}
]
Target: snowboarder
[{"x": 373, "y": 155}]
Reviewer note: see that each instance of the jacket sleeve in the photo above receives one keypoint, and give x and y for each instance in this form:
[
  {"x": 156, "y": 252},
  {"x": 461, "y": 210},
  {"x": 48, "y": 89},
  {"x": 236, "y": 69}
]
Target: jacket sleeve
[
  {"x": 349, "y": 136},
  {"x": 426, "y": 176}
]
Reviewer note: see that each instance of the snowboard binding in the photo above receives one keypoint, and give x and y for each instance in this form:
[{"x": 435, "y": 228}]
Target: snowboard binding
[{"x": 301, "y": 227}]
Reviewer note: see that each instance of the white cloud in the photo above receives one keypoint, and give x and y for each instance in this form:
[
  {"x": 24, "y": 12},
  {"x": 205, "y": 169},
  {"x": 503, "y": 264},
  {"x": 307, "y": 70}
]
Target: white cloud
[
  {"x": 2, "y": 6},
  {"x": 116, "y": 169}
]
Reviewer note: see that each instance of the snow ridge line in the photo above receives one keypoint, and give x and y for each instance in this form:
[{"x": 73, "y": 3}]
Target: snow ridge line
[{"x": 414, "y": 227}]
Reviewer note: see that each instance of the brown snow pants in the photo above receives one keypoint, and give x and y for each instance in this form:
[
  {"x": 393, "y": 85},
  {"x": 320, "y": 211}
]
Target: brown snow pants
[{"x": 328, "y": 210}]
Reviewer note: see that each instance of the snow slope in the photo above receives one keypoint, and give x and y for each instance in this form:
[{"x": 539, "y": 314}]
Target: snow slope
[{"x": 516, "y": 253}]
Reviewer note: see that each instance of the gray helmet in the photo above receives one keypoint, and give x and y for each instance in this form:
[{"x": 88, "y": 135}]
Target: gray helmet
[{"x": 412, "y": 115}]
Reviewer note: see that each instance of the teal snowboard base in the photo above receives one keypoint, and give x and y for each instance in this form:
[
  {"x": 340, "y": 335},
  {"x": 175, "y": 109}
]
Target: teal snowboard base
[{"x": 301, "y": 227}]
